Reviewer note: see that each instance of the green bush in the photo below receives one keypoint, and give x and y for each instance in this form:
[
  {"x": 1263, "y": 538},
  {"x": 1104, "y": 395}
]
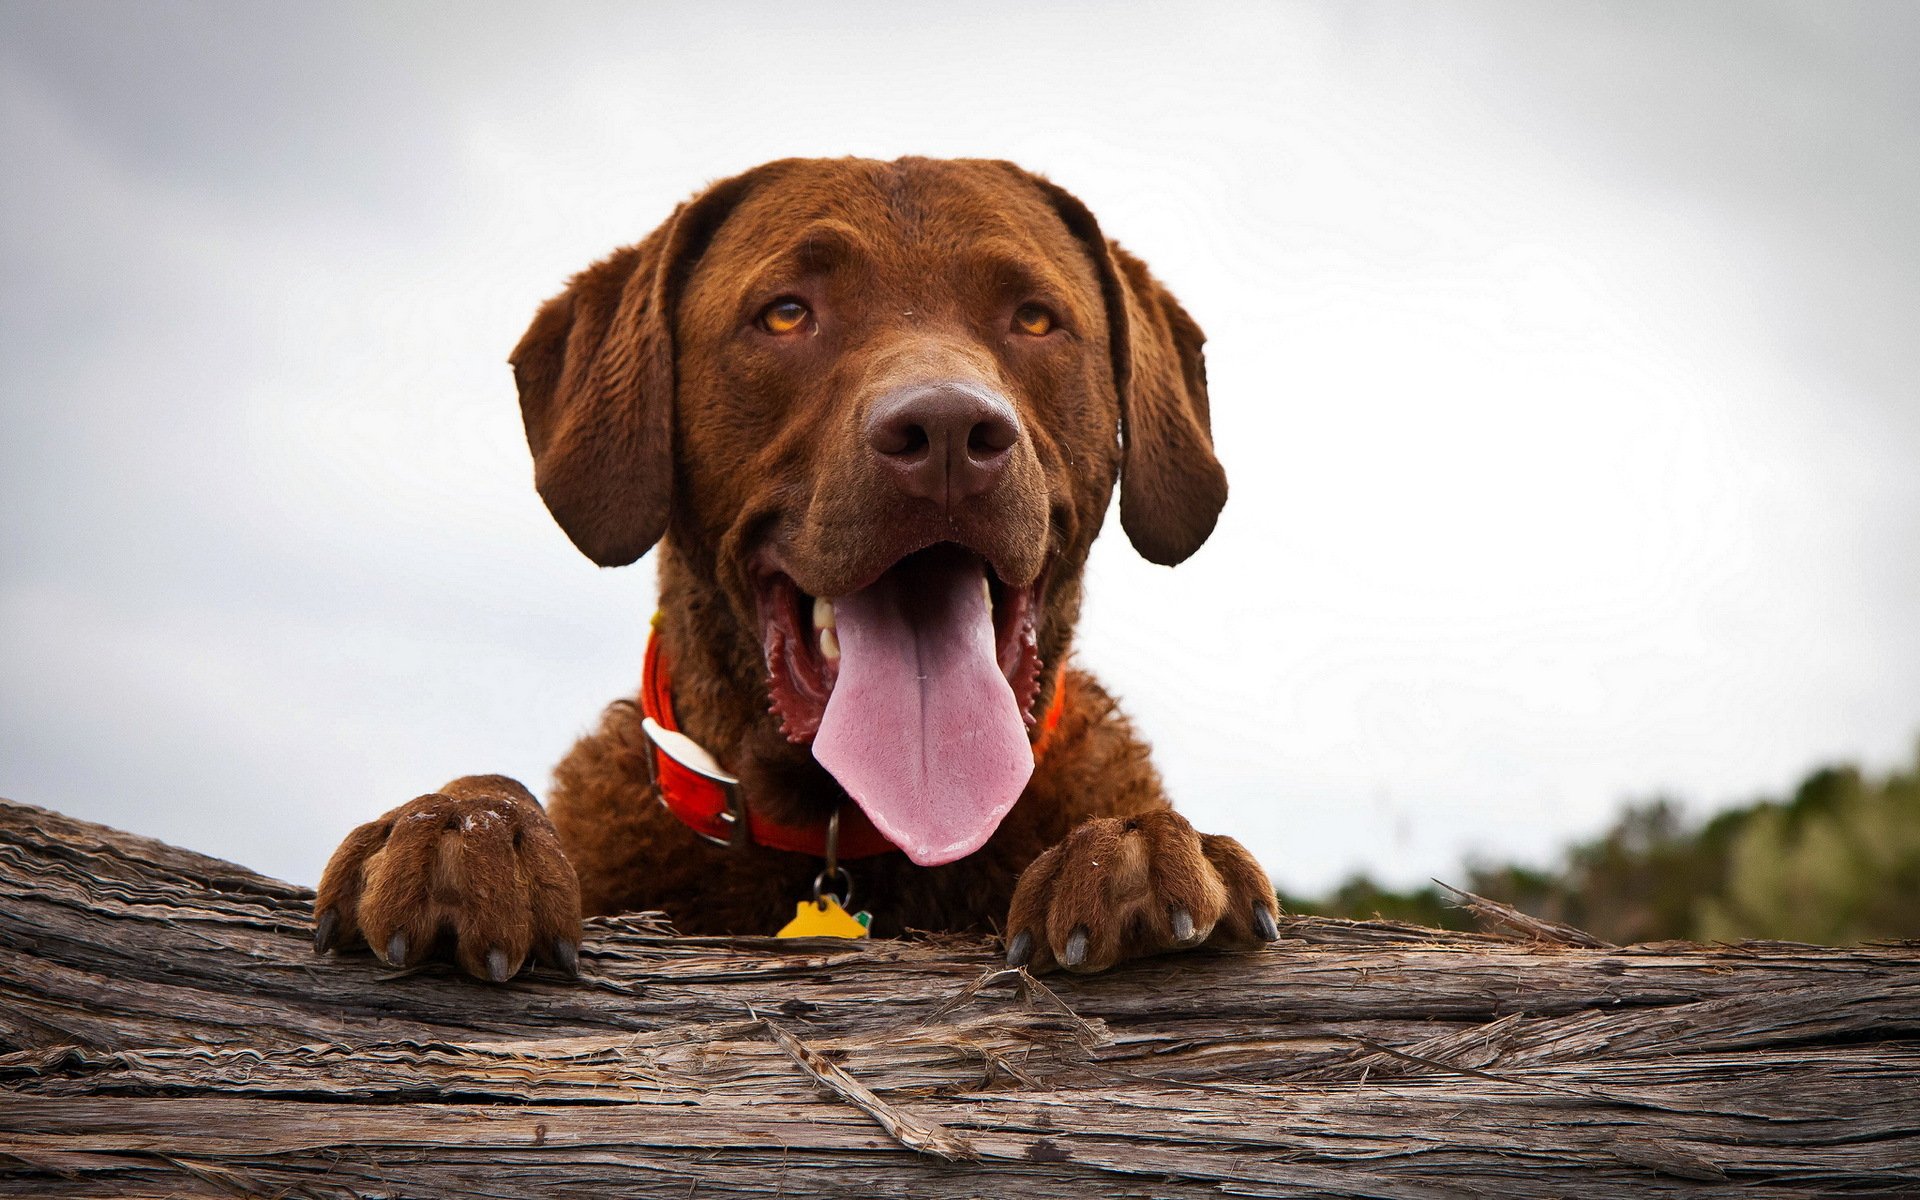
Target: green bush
[{"x": 1838, "y": 863}]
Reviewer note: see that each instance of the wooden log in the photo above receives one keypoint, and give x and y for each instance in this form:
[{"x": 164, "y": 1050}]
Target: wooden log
[{"x": 165, "y": 1030}]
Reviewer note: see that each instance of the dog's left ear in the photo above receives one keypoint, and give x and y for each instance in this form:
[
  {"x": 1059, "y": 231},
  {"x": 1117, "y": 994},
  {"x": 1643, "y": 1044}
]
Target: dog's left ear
[
  {"x": 1171, "y": 486},
  {"x": 596, "y": 377}
]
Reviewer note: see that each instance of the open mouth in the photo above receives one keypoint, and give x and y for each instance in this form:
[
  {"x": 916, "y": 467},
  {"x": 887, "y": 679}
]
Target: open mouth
[
  {"x": 916, "y": 693},
  {"x": 801, "y": 639}
]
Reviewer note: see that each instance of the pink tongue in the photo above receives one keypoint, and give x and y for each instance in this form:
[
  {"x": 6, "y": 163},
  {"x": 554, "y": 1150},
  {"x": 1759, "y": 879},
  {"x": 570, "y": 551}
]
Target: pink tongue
[{"x": 921, "y": 727}]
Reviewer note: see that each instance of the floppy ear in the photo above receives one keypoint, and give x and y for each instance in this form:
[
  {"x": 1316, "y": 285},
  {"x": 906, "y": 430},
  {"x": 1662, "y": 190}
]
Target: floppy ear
[
  {"x": 596, "y": 377},
  {"x": 1171, "y": 486}
]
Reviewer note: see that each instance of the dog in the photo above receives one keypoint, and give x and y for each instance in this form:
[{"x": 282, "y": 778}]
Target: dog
[{"x": 871, "y": 414}]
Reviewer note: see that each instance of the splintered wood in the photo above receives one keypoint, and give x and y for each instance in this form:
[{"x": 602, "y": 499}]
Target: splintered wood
[{"x": 167, "y": 1031}]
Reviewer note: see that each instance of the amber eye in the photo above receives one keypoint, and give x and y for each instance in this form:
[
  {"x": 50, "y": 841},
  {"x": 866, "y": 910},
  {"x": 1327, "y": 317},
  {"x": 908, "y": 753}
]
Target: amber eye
[
  {"x": 1033, "y": 319},
  {"x": 784, "y": 315}
]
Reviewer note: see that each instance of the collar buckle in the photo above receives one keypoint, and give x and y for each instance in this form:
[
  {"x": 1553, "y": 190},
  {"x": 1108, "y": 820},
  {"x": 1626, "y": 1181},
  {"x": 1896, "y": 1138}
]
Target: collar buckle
[{"x": 694, "y": 757}]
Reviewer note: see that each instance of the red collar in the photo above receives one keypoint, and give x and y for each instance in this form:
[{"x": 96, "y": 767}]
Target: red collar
[{"x": 709, "y": 801}]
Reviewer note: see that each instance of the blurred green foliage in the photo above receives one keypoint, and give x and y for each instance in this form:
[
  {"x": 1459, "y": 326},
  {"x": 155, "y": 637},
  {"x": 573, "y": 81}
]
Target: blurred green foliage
[{"x": 1838, "y": 863}]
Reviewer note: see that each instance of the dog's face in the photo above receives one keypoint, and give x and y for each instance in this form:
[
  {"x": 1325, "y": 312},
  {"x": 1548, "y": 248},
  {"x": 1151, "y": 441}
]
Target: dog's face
[{"x": 882, "y": 407}]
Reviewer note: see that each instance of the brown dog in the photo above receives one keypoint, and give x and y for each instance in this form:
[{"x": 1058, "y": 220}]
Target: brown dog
[{"x": 872, "y": 414}]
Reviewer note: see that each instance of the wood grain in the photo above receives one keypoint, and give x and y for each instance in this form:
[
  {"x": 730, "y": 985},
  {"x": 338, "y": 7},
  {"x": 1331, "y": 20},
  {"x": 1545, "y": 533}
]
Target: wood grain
[{"x": 167, "y": 1031}]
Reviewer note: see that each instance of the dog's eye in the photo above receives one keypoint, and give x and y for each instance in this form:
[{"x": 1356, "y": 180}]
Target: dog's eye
[
  {"x": 784, "y": 315},
  {"x": 1033, "y": 319}
]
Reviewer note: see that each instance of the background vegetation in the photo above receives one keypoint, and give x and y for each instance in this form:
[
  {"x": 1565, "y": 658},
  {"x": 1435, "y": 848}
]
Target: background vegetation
[{"x": 1837, "y": 863}]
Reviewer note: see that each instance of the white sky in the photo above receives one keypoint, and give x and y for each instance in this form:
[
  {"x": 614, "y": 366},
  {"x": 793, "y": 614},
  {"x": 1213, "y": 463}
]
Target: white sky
[{"x": 1562, "y": 362}]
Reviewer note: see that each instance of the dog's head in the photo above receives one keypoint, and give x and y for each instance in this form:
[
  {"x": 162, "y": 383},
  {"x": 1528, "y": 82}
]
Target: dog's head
[{"x": 881, "y": 408}]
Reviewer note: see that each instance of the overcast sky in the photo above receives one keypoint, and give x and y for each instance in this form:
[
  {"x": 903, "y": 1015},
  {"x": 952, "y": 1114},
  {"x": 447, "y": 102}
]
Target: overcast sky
[{"x": 1563, "y": 363}]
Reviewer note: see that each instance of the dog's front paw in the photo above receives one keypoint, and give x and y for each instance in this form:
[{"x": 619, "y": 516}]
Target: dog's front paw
[
  {"x": 473, "y": 872},
  {"x": 1118, "y": 888}
]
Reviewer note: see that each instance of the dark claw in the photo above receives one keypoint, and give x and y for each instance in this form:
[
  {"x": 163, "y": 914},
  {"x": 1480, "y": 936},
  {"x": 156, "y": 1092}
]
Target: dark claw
[
  {"x": 1076, "y": 949},
  {"x": 324, "y": 927},
  {"x": 1182, "y": 925},
  {"x": 397, "y": 950},
  {"x": 1020, "y": 949},
  {"x": 497, "y": 965},
  {"x": 1263, "y": 924},
  {"x": 566, "y": 956}
]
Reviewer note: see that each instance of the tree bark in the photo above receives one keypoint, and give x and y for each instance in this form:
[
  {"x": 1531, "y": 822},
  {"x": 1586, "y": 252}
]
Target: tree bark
[{"x": 167, "y": 1031}]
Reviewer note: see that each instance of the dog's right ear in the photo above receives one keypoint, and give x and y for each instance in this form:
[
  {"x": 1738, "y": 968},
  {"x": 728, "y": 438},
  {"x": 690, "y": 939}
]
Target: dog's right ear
[
  {"x": 596, "y": 378},
  {"x": 1172, "y": 487}
]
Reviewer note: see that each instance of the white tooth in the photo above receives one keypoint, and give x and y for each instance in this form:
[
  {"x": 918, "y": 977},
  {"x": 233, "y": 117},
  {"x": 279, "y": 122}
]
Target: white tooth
[
  {"x": 822, "y": 613},
  {"x": 986, "y": 589},
  {"x": 829, "y": 645}
]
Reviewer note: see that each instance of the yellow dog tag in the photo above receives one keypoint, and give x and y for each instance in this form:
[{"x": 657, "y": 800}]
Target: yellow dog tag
[{"x": 825, "y": 918}]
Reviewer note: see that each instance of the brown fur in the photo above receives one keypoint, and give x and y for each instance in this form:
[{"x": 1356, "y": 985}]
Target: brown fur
[{"x": 657, "y": 415}]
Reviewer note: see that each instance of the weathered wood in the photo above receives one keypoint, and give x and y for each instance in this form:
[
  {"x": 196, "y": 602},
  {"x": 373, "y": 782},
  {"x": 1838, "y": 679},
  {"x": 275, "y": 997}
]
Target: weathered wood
[{"x": 167, "y": 1031}]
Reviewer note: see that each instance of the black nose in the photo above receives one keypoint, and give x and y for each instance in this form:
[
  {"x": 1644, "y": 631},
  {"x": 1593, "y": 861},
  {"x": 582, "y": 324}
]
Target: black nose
[{"x": 944, "y": 442}]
